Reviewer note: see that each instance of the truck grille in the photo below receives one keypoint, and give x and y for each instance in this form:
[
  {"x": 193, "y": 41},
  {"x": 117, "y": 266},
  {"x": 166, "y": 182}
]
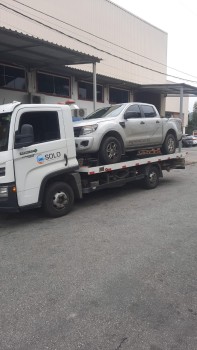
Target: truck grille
[
  {"x": 77, "y": 131},
  {"x": 2, "y": 171}
]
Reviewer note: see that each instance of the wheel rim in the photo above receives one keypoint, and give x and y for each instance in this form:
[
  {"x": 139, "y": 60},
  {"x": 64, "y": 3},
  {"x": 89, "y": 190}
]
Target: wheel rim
[
  {"x": 60, "y": 200},
  {"x": 152, "y": 177},
  {"x": 112, "y": 150},
  {"x": 171, "y": 145}
]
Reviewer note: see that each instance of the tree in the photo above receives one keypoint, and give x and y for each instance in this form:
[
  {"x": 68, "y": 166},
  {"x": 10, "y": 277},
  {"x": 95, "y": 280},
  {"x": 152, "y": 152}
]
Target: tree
[{"x": 192, "y": 123}]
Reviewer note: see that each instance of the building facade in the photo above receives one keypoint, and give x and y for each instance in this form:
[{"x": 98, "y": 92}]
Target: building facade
[{"x": 132, "y": 52}]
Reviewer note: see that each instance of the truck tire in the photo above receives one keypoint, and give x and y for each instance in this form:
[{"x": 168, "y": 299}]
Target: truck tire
[
  {"x": 151, "y": 179},
  {"x": 58, "y": 199},
  {"x": 110, "y": 150},
  {"x": 169, "y": 145}
]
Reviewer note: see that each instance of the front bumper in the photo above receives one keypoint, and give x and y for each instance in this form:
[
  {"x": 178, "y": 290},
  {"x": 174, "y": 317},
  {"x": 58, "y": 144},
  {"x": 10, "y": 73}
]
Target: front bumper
[
  {"x": 9, "y": 203},
  {"x": 85, "y": 144}
]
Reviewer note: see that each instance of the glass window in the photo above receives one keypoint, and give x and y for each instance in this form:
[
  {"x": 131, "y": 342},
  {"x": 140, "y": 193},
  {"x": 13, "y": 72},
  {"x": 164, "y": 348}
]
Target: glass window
[
  {"x": 85, "y": 91},
  {"x": 12, "y": 78},
  {"x": 111, "y": 111},
  {"x": 4, "y": 130},
  {"x": 53, "y": 85},
  {"x": 149, "y": 111},
  {"x": 118, "y": 95},
  {"x": 135, "y": 110},
  {"x": 45, "y": 125}
]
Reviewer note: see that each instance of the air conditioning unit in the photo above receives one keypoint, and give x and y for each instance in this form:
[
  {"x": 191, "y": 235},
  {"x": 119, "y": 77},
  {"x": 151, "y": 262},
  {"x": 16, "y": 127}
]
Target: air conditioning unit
[
  {"x": 36, "y": 99},
  {"x": 82, "y": 112}
]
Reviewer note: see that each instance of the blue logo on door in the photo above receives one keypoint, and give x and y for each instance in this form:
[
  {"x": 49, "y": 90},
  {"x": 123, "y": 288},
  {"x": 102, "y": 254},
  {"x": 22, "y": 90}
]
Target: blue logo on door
[{"x": 40, "y": 159}]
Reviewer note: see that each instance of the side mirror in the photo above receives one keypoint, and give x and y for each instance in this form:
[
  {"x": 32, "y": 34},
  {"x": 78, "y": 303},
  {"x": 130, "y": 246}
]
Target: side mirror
[
  {"x": 129, "y": 115},
  {"x": 25, "y": 138}
]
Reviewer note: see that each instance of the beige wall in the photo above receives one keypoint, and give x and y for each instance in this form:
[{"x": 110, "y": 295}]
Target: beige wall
[
  {"x": 173, "y": 104},
  {"x": 106, "y": 21}
]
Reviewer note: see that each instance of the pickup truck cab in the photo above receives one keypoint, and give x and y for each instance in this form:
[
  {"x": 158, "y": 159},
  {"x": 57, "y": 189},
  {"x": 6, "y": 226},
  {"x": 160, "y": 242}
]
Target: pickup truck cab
[{"x": 114, "y": 130}]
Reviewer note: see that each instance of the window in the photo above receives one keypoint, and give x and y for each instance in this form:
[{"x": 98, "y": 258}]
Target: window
[
  {"x": 53, "y": 85},
  {"x": 4, "y": 130},
  {"x": 118, "y": 95},
  {"x": 85, "y": 91},
  {"x": 12, "y": 78},
  {"x": 134, "y": 109},
  {"x": 45, "y": 125},
  {"x": 149, "y": 111}
]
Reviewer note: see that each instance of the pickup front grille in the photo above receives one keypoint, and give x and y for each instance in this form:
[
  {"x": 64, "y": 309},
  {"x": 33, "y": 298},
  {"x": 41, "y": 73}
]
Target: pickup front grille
[
  {"x": 2, "y": 171},
  {"x": 77, "y": 131}
]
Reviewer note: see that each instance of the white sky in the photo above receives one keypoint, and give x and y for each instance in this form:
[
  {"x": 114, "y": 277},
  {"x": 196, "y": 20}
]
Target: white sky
[{"x": 179, "y": 19}]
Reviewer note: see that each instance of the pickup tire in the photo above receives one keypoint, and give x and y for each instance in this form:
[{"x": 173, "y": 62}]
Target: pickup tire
[
  {"x": 110, "y": 150},
  {"x": 169, "y": 145},
  {"x": 58, "y": 199},
  {"x": 151, "y": 179}
]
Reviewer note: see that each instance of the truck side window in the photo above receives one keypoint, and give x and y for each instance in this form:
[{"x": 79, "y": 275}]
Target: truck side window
[
  {"x": 45, "y": 125},
  {"x": 149, "y": 111},
  {"x": 135, "y": 109}
]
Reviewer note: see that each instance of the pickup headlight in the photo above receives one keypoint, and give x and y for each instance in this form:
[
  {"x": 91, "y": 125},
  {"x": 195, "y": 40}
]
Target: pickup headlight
[
  {"x": 3, "y": 192},
  {"x": 88, "y": 129}
]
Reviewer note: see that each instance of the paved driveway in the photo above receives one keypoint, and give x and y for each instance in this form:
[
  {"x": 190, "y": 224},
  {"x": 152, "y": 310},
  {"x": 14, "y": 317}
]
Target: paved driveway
[{"x": 119, "y": 272}]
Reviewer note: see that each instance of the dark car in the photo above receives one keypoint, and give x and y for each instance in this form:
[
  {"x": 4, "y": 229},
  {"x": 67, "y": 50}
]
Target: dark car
[{"x": 188, "y": 140}]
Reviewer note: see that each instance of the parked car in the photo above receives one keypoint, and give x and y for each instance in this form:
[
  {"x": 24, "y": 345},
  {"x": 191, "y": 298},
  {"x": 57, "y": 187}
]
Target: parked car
[
  {"x": 114, "y": 130},
  {"x": 189, "y": 140}
]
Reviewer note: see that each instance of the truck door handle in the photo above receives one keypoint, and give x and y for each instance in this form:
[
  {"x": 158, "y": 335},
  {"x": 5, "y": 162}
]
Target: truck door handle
[
  {"x": 142, "y": 122},
  {"x": 66, "y": 159},
  {"x": 157, "y": 121}
]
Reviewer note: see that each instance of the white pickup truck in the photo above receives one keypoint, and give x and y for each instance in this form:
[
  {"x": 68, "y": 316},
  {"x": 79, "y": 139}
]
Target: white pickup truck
[
  {"x": 39, "y": 168},
  {"x": 113, "y": 131}
]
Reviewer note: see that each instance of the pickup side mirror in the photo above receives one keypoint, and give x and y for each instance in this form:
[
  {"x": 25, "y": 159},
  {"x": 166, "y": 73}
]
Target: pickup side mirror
[
  {"x": 130, "y": 115},
  {"x": 25, "y": 138}
]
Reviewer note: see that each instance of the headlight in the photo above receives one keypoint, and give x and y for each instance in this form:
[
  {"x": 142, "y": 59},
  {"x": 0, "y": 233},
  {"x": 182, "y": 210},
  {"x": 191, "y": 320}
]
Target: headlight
[
  {"x": 88, "y": 129},
  {"x": 3, "y": 192}
]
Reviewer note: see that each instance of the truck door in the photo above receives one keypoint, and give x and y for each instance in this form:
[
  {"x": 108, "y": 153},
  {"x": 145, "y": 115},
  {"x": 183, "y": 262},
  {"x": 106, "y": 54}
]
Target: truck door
[
  {"x": 47, "y": 155},
  {"x": 154, "y": 124},
  {"x": 136, "y": 128}
]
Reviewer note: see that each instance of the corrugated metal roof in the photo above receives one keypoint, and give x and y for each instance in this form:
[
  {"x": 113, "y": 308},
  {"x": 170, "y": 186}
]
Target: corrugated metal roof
[
  {"x": 170, "y": 89},
  {"x": 32, "y": 52}
]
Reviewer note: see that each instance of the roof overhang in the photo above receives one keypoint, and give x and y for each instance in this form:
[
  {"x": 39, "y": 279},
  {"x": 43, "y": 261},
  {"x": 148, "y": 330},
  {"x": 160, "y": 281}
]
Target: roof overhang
[
  {"x": 173, "y": 89},
  {"x": 80, "y": 74},
  {"x": 33, "y": 53}
]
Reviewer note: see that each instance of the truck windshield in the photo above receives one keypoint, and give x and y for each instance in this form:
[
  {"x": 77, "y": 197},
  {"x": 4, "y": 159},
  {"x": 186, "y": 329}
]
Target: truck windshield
[
  {"x": 111, "y": 111},
  {"x": 4, "y": 130}
]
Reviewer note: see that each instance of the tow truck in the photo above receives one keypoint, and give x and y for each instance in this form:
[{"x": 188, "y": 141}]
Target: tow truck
[{"x": 39, "y": 166}]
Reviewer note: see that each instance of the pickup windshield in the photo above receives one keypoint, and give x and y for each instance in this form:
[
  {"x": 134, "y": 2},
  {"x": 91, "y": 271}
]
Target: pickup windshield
[
  {"x": 111, "y": 111},
  {"x": 4, "y": 130}
]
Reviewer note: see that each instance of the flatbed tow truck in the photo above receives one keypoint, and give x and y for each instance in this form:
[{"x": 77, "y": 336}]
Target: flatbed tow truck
[{"x": 39, "y": 167}]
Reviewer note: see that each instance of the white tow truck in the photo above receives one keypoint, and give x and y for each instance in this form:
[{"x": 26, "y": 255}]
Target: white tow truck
[{"x": 39, "y": 167}]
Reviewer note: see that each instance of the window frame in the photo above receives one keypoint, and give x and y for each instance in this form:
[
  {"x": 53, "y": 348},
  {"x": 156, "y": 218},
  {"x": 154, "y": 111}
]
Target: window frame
[
  {"x": 39, "y": 116},
  {"x": 17, "y": 68},
  {"x": 53, "y": 76},
  {"x": 87, "y": 82},
  {"x": 112, "y": 87}
]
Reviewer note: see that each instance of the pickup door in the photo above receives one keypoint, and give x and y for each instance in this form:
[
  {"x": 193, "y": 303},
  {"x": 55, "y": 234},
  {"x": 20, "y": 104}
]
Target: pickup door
[{"x": 143, "y": 126}]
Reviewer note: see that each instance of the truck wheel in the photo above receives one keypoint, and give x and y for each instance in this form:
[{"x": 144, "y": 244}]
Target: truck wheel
[
  {"x": 169, "y": 145},
  {"x": 110, "y": 150},
  {"x": 58, "y": 199},
  {"x": 151, "y": 179}
]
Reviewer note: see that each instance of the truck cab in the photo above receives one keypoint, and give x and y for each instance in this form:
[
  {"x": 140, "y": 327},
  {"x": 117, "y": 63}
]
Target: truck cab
[{"x": 36, "y": 145}]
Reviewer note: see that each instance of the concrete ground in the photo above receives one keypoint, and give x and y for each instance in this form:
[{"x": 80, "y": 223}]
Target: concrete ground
[{"x": 117, "y": 273}]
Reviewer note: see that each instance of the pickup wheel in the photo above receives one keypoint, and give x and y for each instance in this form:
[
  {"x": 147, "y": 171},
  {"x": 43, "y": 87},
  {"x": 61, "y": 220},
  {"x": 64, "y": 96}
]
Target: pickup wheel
[
  {"x": 58, "y": 199},
  {"x": 169, "y": 145},
  {"x": 110, "y": 150},
  {"x": 151, "y": 179}
]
